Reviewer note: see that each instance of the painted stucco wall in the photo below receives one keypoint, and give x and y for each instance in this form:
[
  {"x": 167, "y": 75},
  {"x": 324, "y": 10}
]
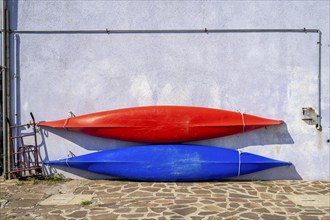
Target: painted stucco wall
[{"x": 272, "y": 75}]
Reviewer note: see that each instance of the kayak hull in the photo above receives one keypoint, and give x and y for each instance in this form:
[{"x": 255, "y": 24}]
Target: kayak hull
[
  {"x": 170, "y": 163},
  {"x": 162, "y": 124}
]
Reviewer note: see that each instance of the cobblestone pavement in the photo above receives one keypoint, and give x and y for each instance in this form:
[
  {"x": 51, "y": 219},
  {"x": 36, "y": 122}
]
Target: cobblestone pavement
[{"x": 100, "y": 199}]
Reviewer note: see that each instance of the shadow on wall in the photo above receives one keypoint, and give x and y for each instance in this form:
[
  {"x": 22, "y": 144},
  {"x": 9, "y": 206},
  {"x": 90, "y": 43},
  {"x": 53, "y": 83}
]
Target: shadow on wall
[
  {"x": 88, "y": 142},
  {"x": 49, "y": 170},
  {"x": 40, "y": 145},
  {"x": 85, "y": 141},
  {"x": 278, "y": 173},
  {"x": 270, "y": 135}
]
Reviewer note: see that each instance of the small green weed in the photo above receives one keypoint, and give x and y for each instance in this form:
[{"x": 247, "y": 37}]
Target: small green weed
[
  {"x": 52, "y": 179},
  {"x": 20, "y": 183},
  {"x": 35, "y": 181},
  {"x": 55, "y": 178},
  {"x": 86, "y": 202}
]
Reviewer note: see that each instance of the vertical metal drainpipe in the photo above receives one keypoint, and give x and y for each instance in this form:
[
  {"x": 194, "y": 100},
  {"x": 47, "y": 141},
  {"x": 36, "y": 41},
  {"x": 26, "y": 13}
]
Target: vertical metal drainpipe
[
  {"x": 4, "y": 87},
  {"x": 8, "y": 92},
  {"x": 5, "y": 90},
  {"x": 319, "y": 116}
]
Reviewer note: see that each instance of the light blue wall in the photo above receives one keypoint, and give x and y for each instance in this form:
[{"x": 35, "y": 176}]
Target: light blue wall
[{"x": 272, "y": 75}]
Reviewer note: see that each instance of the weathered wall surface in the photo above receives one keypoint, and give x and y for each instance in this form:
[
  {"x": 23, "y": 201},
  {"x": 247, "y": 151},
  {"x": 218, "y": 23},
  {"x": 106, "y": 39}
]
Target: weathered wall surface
[{"x": 272, "y": 75}]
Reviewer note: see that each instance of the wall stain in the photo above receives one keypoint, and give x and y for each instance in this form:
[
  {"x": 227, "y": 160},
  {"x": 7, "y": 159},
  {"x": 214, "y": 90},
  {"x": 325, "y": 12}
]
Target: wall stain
[{"x": 320, "y": 141}]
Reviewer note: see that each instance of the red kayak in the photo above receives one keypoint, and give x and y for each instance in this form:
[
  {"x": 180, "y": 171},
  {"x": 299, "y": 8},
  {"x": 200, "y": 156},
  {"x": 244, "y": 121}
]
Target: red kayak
[{"x": 162, "y": 124}]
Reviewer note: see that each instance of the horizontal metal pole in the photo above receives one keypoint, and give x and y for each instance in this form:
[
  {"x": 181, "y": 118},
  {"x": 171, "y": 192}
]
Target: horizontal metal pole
[{"x": 164, "y": 31}]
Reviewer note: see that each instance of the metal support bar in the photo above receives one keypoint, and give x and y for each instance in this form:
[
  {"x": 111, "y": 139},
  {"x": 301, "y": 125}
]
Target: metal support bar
[
  {"x": 21, "y": 136},
  {"x": 163, "y": 31},
  {"x": 25, "y": 151}
]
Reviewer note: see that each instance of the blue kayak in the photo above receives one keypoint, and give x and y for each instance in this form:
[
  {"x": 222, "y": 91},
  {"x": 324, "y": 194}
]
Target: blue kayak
[{"x": 170, "y": 163}]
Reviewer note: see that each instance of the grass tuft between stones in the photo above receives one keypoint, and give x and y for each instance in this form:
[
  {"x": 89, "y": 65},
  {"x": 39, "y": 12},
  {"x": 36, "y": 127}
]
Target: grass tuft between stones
[
  {"x": 51, "y": 179},
  {"x": 86, "y": 202}
]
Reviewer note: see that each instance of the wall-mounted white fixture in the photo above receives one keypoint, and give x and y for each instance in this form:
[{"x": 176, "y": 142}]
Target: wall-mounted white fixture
[{"x": 309, "y": 116}]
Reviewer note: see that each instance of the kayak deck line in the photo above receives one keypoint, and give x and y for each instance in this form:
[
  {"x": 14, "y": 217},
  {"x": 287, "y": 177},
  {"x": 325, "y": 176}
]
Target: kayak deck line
[
  {"x": 41, "y": 124},
  {"x": 143, "y": 162}
]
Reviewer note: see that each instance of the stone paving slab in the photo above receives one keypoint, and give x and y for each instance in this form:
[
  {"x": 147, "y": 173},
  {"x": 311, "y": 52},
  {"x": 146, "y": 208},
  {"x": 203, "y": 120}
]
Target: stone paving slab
[
  {"x": 100, "y": 199},
  {"x": 310, "y": 200},
  {"x": 66, "y": 199}
]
